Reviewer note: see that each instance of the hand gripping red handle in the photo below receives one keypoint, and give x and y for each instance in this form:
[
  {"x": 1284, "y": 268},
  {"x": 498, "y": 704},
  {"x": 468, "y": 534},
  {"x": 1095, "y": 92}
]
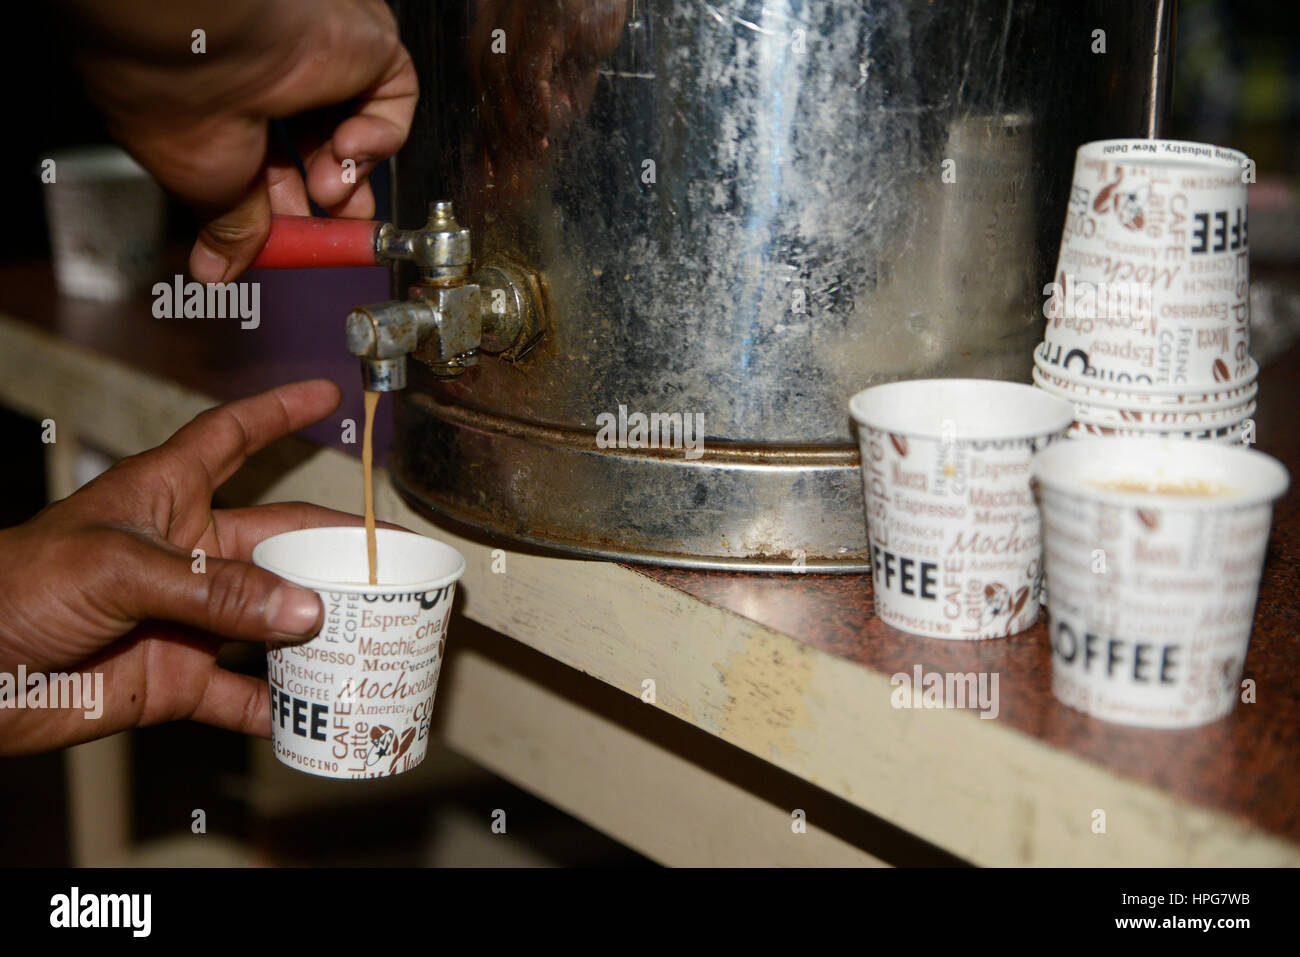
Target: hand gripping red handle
[{"x": 301, "y": 242}]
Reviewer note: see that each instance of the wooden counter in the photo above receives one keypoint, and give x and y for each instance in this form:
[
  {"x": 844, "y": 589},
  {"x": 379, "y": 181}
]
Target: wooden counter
[{"x": 791, "y": 673}]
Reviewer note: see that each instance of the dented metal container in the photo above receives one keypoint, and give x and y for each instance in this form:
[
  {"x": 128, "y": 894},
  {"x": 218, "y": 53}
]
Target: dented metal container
[{"x": 742, "y": 213}]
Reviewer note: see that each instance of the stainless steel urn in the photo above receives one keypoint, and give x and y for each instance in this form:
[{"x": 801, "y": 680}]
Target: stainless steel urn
[{"x": 736, "y": 214}]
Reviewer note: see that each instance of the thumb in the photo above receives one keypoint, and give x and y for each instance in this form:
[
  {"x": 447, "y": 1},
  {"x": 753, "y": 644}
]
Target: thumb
[
  {"x": 230, "y": 598},
  {"x": 229, "y": 242}
]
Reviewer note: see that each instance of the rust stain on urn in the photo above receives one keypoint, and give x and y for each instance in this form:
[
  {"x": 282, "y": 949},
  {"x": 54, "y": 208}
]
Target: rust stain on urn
[{"x": 767, "y": 697}]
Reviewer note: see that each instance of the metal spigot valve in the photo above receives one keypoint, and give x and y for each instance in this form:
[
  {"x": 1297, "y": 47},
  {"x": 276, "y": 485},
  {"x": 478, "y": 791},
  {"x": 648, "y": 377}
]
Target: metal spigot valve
[
  {"x": 441, "y": 247},
  {"x": 450, "y": 316},
  {"x": 382, "y": 336}
]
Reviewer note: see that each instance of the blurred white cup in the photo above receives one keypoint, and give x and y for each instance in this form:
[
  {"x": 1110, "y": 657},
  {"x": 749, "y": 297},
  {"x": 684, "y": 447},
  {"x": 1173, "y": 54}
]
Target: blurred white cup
[{"x": 106, "y": 218}]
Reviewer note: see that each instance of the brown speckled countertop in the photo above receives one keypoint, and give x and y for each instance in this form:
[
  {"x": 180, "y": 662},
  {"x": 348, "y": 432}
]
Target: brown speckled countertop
[{"x": 1247, "y": 764}]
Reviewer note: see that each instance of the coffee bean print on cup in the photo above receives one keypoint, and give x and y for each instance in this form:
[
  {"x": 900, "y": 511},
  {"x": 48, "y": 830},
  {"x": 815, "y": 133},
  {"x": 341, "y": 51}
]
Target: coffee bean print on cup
[
  {"x": 1001, "y": 606},
  {"x": 952, "y": 523}
]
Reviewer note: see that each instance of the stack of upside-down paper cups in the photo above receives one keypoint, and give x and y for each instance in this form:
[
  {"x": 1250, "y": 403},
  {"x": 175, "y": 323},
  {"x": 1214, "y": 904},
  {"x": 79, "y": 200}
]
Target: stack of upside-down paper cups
[{"x": 1148, "y": 315}]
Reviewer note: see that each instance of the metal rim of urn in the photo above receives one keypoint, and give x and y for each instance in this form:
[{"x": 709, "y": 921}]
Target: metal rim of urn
[{"x": 486, "y": 472}]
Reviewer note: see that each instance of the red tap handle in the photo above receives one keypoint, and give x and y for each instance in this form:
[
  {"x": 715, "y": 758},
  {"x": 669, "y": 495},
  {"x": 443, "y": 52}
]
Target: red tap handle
[{"x": 300, "y": 242}]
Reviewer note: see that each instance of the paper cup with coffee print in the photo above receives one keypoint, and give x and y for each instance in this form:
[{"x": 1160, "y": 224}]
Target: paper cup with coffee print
[
  {"x": 1225, "y": 434},
  {"x": 952, "y": 523},
  {"x": 1152, "y": 280},
  {"x": 1155, "y": 551},
  {"x": 1161, "y": 419},
  {"x": 1172, "y": 399},
  {"x": 1218, "y": 424},
  {"x": 1188, "y": 354},
  {"x": 356, "y": 701}
]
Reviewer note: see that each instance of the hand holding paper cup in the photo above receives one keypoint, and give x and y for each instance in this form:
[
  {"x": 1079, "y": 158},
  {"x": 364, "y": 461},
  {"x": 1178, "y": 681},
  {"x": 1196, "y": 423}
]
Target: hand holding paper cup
[
  {"x": 952, "y": 522},
  {"x": 356, "y": 701}
]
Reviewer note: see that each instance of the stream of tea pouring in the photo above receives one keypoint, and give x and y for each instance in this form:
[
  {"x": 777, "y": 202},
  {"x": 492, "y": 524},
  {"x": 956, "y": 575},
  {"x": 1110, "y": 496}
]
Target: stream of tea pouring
[{"x": 368, "y": 484}]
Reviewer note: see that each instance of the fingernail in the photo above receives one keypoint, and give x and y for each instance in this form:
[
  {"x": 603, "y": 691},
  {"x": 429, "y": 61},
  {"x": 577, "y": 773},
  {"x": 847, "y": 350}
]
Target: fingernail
[
  {"x": 207, "y": 265},
  {"x": 293, "y": 611}
]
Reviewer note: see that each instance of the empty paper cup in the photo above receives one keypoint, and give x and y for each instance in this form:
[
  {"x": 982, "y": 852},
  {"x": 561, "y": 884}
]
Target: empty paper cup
[
  {"x": 1227, "y": 434},
  {"x": 106, "y": 217},
  {"x": 951, "y": 520},
  {"x": 1161, "y": 419},
  {"x": 1118, "y": 396},
  {"x": 1190, "y": 355},
  {"x": 1154, "y": 550},
  {"x": 356, "y": 701},
  {"x": 1174, "y": 424},
  {"x": 1152, "y": 281}
]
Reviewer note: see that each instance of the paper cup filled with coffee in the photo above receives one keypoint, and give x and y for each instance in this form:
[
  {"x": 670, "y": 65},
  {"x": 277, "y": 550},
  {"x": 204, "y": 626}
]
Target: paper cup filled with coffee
[
  {"x": 951, "y": 520},
  {"x": 1154, "y": 551},
  {"x": 356, "y": 701}
]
